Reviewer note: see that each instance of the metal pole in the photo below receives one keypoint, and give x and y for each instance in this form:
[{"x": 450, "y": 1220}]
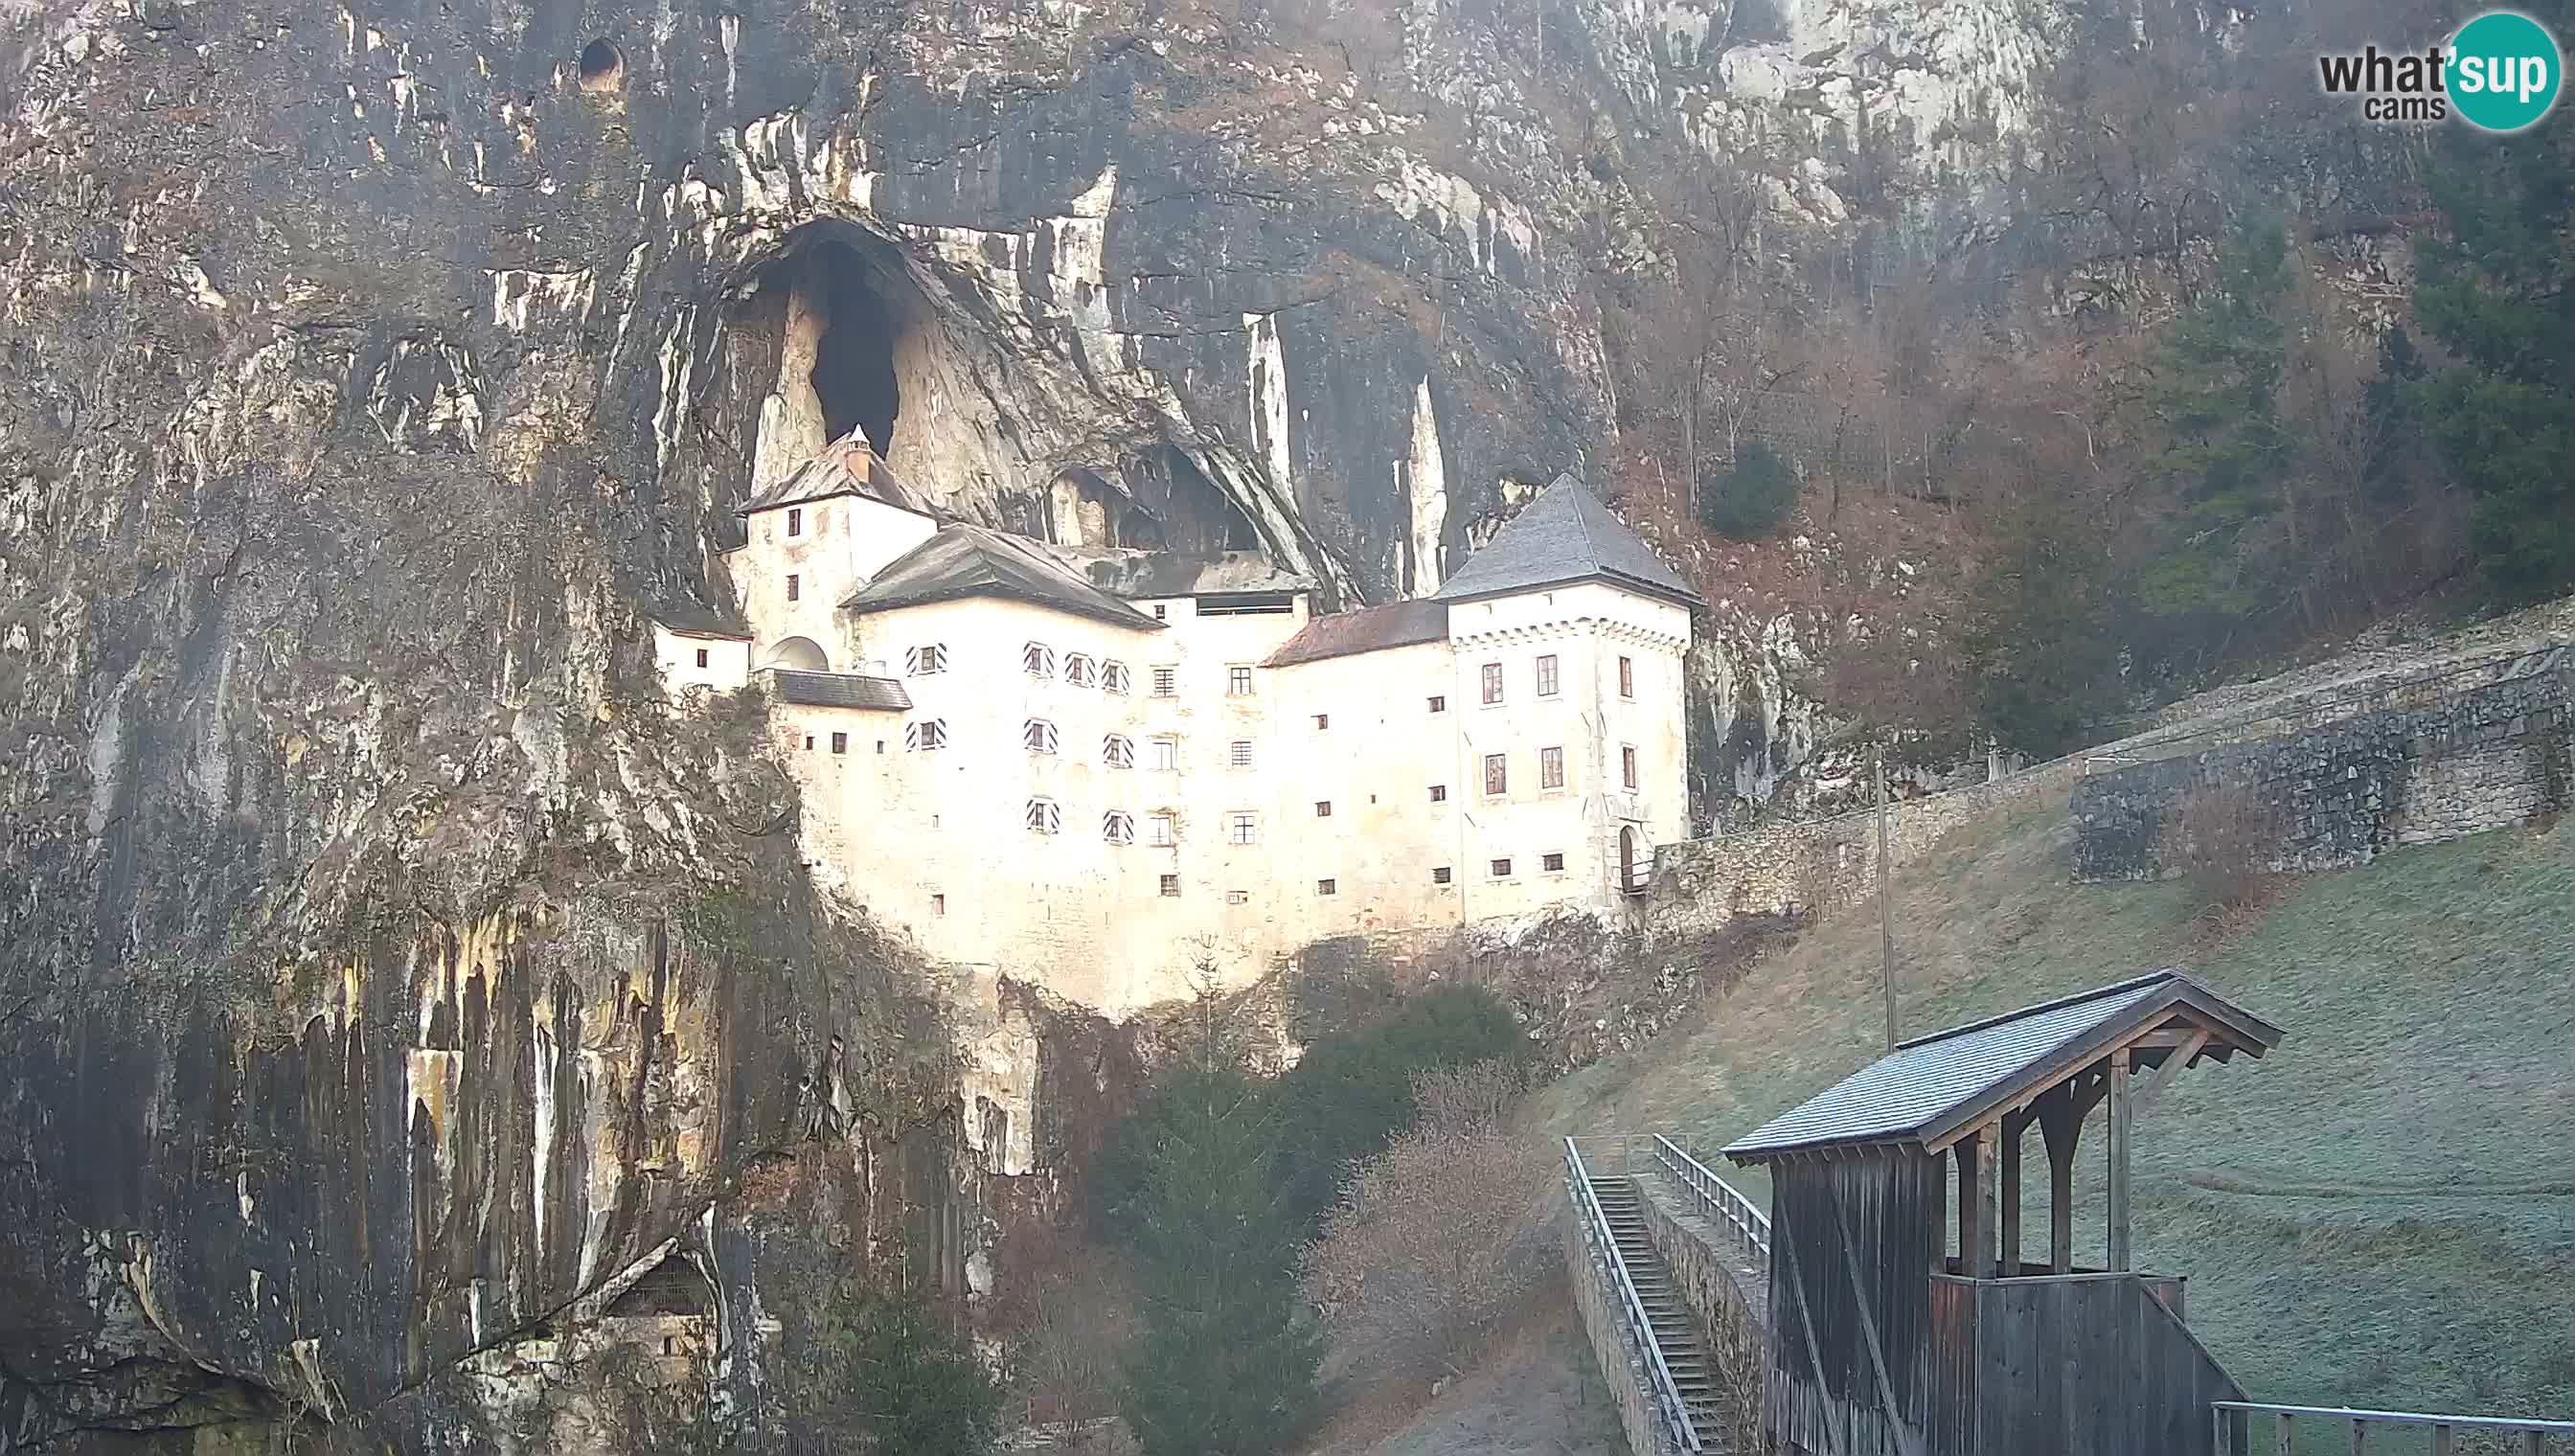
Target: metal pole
[{"x": 1886, "y": 903}]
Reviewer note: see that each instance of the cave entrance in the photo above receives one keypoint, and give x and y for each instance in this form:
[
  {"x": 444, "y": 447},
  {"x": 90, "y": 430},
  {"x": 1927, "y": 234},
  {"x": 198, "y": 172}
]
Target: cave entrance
[{"x": 853, "y": 376}]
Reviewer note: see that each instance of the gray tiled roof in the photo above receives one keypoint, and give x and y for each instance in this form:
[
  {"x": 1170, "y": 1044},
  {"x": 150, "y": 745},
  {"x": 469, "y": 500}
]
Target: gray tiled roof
[
  {"x": 1564, "y": 535},
  {"x": 970, "y": 561},
  {"x": 1928, "y": 1087},
  {"x": 842, "y": 690},
  {"x": 846, "y": 466},
  {"x": 688, "y": 619},
  {"x": 1395, "y": 625}
]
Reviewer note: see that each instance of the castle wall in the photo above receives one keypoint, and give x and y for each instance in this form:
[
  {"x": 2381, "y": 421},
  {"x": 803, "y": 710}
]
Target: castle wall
[
  {"x": 842, "y": 544},
  {"x": 676, "y": 654}
]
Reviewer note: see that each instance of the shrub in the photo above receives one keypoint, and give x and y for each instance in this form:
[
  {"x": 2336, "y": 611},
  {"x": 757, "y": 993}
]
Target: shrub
[
  {"x": 881, "y": 1371},
  {"x": 2222, "y": 840},
  {"x": 1753, "y": 497},
  {"x": 1436, "y": 1244}
]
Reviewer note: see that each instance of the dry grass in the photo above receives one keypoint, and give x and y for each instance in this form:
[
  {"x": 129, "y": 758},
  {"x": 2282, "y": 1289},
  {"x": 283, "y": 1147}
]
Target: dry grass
[{"x": 2377, "y": 1215}]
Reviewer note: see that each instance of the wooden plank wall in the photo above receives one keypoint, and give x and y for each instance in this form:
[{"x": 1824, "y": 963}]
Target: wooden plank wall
[
  {"x": 1854, "y": 1244},
  {"x": 2086, "y": 1366}
]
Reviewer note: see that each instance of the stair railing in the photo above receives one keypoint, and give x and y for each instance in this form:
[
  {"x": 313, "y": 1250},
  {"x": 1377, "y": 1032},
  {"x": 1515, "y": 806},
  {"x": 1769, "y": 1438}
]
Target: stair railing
[
  {"x": 1603, "y": 1243},
  {"x": 1723, "y": 1200}
]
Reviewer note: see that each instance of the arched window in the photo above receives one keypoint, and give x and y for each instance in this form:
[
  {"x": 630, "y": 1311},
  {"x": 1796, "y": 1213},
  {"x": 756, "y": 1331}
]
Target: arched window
[
  {"x": 1038, "y": 659},
  {"x": 1044, "y": 818},
  {"x": 1118, "y": 826},
  {"x": 1038, "y": 736},
  {"x": 1078, "y": 672},
  {"x": 797, "y": 653},
  {"x": 1118, "y": 750}
]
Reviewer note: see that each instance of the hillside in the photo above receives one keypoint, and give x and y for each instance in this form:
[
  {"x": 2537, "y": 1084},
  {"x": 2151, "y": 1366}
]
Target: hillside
[{"x": 2381, "y": 1213}]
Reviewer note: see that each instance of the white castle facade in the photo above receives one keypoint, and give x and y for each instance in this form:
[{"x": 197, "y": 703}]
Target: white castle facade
[{"x": 1094, "y": 769}]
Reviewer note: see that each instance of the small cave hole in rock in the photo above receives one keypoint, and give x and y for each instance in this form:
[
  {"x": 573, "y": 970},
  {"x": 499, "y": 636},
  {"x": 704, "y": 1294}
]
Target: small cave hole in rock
[
  {"x": 672, "y": 1286},
  {"x": 603, "y": 65}
]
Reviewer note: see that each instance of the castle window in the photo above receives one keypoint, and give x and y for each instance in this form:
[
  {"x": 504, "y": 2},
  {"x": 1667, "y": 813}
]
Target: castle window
[
  {"x": 839, "y": 742},
  {"x": 1322, "y": 808},
  {"x": 795, "y": 521},
  {"x": 1438, "y": 703},
  {"x": 1167, "y": 755},
  {"x": 1117, "y": 752},
  {"x": 1322, "y": 720},
  {"x": 1438, "y": 794},
  {"x": 1546, "y": 676},
  {"x": 1554, "y": 863},
  {"x": 924, "y": 659},
  {"x": 1038, "y": 736},
  {"x": 879, "y": 745},
  {"x": 1112, "y": 676},
  {"x": 1238, "y": 896},
  {"x": 1159, "y": 831},
  {"x": 1498, "y": 773},
  {"x": 1326, "y": 886},
  {"x": 1239, "y": 755},
  {"x": 1167, "y": 682},
  {"x": 1162, "y": 610},
  {"x": 1242, "y": 828},
  {"x": 1170, "y": 887},
  {"x": 1440, "y": 875},
  {"x": 809, "y": 743},
  {"x": 1038, "y": 659},
  {"x": 1627, "y": 765},
  {"x": 939, "y": 905},
  {"x": 794, "y": 589},
  {"x": 1492, "y": 683},
  {"x": 702, "y": 656},
  {"x": 1501, "y": 870},
  {"x": 924, "y": 737},
  {"x": 1044, "y": 818},
  {"x": 1118, "y": 826},
  {"x": 1551, "y": 768},
  {"x": 1237, "y": 681},
  {"x": 1626, "y": 677},
  {"x": 1077, "y": 671}
]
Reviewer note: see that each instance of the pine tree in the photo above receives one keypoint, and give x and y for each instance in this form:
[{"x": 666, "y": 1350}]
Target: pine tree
[
  {"x": 2499, "y": 293},
  {"x": 2041, "y": 643}
]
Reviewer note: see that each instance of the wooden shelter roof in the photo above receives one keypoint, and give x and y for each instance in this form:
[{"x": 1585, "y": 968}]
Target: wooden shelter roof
[{"x": 1929, "y": 1092}]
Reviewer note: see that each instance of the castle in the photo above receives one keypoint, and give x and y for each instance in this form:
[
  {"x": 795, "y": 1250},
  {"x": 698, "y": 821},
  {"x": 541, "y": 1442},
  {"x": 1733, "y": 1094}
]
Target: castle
[{"x": 1095, "y": 768}]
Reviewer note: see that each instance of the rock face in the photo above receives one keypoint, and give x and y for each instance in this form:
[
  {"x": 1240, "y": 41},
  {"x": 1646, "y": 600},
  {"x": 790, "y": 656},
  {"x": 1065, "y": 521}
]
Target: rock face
[{"x": 388, "y": 980}]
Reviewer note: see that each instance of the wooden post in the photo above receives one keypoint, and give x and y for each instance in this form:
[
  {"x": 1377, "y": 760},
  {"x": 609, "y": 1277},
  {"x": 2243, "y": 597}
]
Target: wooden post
[
  {"x": 2060, "y": 1123},
  {"x": 2119, "y": 1161},
  {"x": 1885, "y": 904},
  {"x": 1988, "y": 1199},
  {"x": 2016, "y": 1125},
  {"x": 2443, "y": 1442},
  {"x": 1969, "y": 1202}
]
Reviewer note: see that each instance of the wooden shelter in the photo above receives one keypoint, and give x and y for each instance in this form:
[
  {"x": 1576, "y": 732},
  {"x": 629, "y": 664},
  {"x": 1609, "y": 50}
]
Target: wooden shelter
[{"x": 1881, "y": 1341}]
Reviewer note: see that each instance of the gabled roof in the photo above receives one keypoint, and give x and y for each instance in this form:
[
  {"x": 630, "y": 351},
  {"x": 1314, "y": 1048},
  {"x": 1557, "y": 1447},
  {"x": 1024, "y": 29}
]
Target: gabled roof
[
  {"x": 1565, "y": 536},
  {"x": 846, "y": 466},
  {"x": 1395, "y": 625},
  {"x": 841, "y": 689},
  {"x": 960, "y": 561},
  {"x": 688, "y": 619},
  {"x": 1929, "y": 1091}
]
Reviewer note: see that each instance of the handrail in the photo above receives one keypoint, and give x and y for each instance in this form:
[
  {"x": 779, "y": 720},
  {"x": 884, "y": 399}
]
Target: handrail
[
  {"x": 1604, "y": 1247},
  {"x": 1720, "y": 1197},
  {"x": 2443, "y": 1426}
]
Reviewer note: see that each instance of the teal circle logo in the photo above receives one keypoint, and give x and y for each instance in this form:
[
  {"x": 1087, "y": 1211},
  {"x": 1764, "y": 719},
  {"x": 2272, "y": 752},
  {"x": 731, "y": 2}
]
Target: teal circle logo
[{"x": 2504, "y": 71}]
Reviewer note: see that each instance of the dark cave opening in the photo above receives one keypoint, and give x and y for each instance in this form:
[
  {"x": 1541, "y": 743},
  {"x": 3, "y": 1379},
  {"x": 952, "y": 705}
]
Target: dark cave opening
[{"x": 854, "y": 375}]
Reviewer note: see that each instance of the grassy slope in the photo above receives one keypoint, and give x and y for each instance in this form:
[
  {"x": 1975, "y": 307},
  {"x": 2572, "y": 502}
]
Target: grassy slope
[{"x": 2380, "y": 1213}]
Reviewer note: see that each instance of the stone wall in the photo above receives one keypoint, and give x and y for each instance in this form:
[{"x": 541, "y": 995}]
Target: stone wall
[
  {"x": 1622, "y": 1364},
  {"x": 1812, "y": 867},
  {"x": 2457, "y": 755}
]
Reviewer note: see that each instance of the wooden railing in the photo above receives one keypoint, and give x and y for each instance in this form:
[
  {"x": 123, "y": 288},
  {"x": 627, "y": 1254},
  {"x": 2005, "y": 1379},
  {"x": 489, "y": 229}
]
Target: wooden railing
[
  {"x": 1604, "y": 1248},
  {"x": 2239, "y": 1420},
  {"x": 1723, "y": 1200}
]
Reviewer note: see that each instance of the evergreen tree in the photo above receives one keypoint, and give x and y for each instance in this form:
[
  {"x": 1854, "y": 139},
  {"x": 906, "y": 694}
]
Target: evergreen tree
[
  {"x": 881, "y": 1372},
  {"x": 1751, "y": 499},
  {"x": 2041, "y": 639},
  {"x": 1225, "y": 1362},
  {"x": 2213, "y": 389},
  {"x": 2499, "y": 293}
]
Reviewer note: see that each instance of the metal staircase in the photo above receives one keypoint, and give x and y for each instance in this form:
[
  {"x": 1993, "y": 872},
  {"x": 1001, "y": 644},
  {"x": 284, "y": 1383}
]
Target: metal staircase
[{"x": 1675, "y": 1328}]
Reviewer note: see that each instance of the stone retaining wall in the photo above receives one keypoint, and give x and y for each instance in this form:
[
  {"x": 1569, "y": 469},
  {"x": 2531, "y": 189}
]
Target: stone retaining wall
[
  {"x": 1723, "y": 1285},
  {"x": 2466, "y": 754},
  {"x": 1614, "y": 1344}
]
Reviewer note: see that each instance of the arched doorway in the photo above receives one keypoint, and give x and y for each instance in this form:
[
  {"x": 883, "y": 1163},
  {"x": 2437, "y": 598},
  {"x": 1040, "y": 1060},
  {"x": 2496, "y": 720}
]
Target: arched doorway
[
  {"x": 800, "y": 654},
  {"x": 1627, "y": 879}
]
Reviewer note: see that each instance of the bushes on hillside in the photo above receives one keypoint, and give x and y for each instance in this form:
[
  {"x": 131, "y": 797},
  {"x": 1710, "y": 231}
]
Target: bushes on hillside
[
  {"x": 2221, "y": 839},
  {"x": 882, "y": 1371},
  {"x": 1751, "y": 499},
  {"x": 1436, "y": 1242}
]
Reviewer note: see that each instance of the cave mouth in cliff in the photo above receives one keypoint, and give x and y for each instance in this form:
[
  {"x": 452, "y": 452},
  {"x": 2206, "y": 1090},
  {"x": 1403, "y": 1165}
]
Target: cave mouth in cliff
[
  {"x": 603, "y": 65},
  {"x": 854, "y": 363}
]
